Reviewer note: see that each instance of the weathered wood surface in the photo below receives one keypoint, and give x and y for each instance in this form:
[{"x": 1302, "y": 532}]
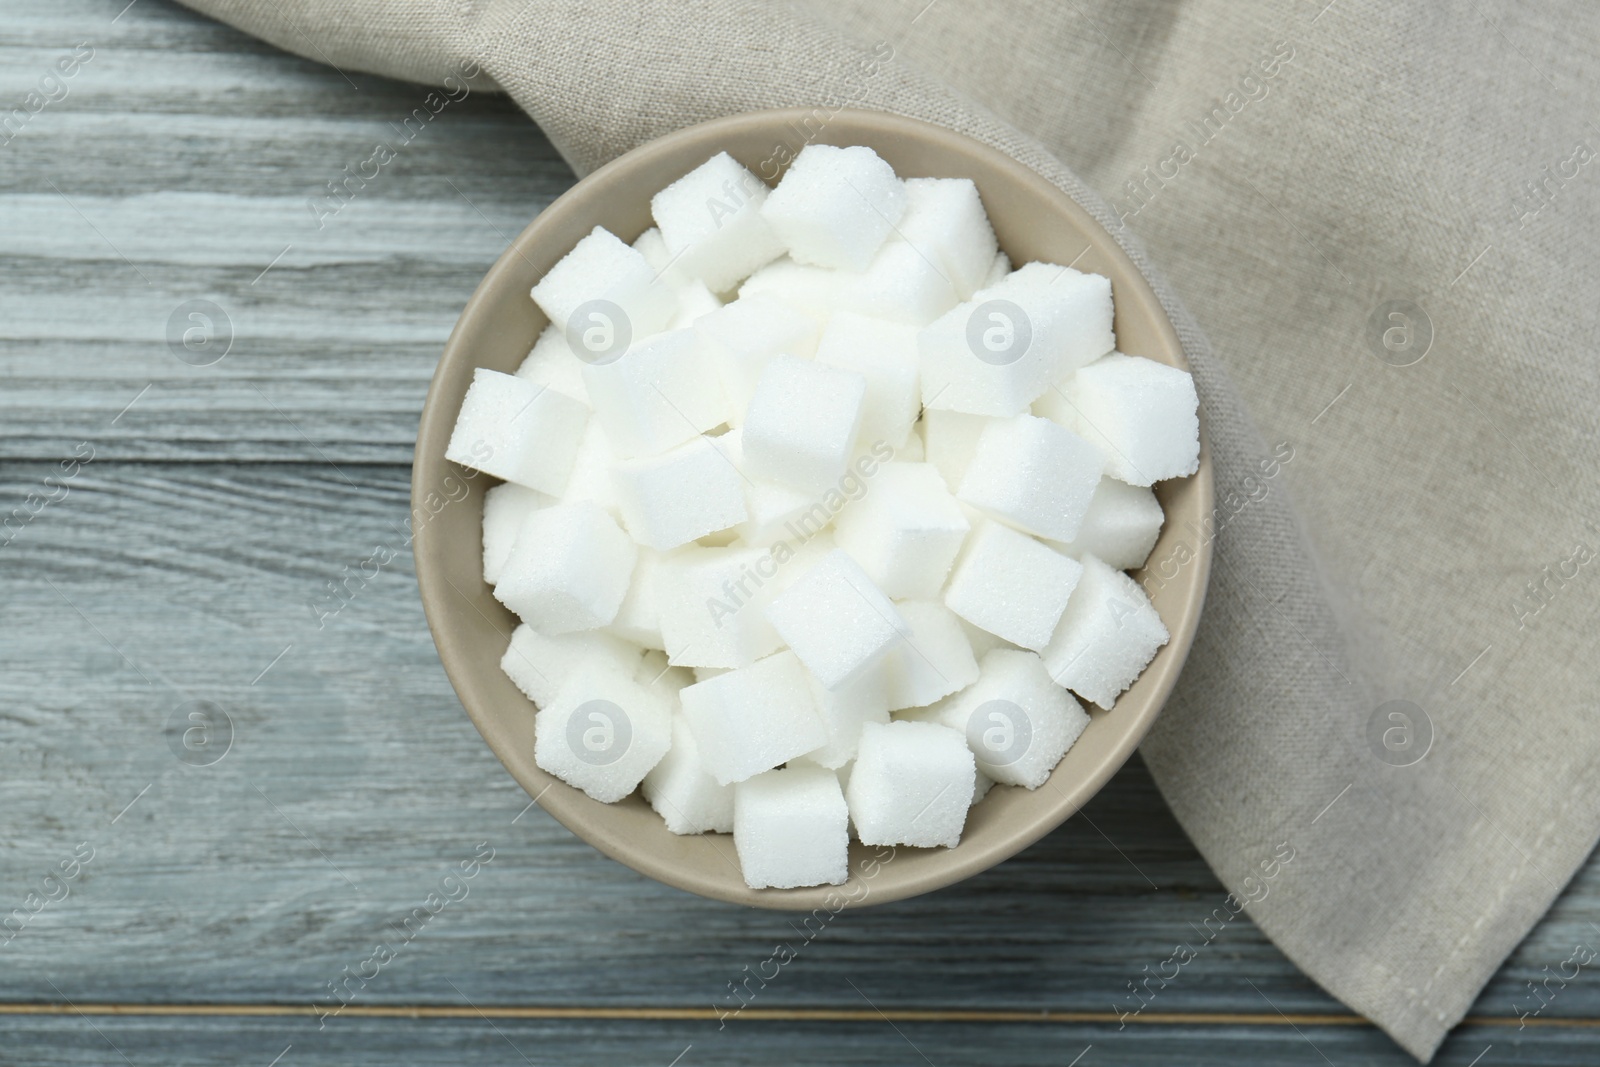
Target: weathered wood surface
[{"x": 181, "y": 564}]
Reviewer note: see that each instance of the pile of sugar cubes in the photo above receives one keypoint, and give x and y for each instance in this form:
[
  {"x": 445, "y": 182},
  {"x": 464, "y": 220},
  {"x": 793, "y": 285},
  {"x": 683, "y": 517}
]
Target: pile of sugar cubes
[{"x": 816, "y": 512}]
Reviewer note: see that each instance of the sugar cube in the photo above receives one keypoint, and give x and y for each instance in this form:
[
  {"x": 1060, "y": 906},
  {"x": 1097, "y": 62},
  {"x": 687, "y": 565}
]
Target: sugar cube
[
  {"x": 683, "y": 792},
  {"x": 1141, "y": 414},
  {"x": 653, "y": 247},
  {"x": 710, "y": 605},
  {"x": 913, "y": 451},
  {"x": 844, "y": 711},
  {"x": 603, "y": 293},
  {"x": 591, "y": 479},
  {"x": 684, "y": 493},
  {"x": 743, "y": 336},
  {"x": 885, "y": 354},
  {"x": 950, "y": 438},
  {"x": 602, "y": 733},
  {"x": 805, "y": 288},
  {"x": 945, "y": 220},
  {"x": 802, "y": 423},
  {"x": 1120, "y": 527},
  {"x": 997, "y": 270},
  {"x": 1033, "y": 474},
  {"x": 1107, "y": 636},
  {"x": 981, "y": 786},
  {"x": 935, "y": 661},
  {"x": 663, "y": 392},
  {"x": 1017, "y": 721},
  {"x": 638, "y": 617},
  {"x": 540, "y": 664},
  {"x": 711, "y": 221},
  {"x": 902, "y": 283},
  {"x": 912, "y": 784},
  {"x": 836, "y": 206},
  {"x": 568, "y": 569},
  {"x": 770, "y": 507},
  {"x": 695, "y": 302},
  {"x": 837, "y": 621},
  {"x": 504, "y": 508},
  {"x": 518, "y": 431},
  {"x": 551, "y": 362},
  {"x": 791, "y": 828},
  {"x": 998, "y": 352},
  {"x": 754, "y": 718},
  {"x": 1011, "y": 585},
  {"x": 905, "y": 531}
]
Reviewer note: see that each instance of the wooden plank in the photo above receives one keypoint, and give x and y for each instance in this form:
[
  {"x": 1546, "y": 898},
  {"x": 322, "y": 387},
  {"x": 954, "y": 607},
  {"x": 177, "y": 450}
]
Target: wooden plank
[
  {"x": 180, "y": 166},
  {"x": 69, "y": 1041},
  {"x": 355, "y": 782}
]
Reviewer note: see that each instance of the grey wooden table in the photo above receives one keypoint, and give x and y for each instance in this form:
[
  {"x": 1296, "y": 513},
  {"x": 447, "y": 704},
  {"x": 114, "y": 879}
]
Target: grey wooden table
[{"x": 169, "y": 528}]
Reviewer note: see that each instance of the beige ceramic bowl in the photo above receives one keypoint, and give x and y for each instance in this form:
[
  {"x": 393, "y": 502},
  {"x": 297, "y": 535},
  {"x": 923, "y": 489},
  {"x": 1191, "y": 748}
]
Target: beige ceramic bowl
[{"x": 1034, "y": 220}]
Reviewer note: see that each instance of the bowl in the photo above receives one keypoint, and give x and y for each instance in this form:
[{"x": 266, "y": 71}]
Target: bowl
[{"x": 1033, "y": 220}]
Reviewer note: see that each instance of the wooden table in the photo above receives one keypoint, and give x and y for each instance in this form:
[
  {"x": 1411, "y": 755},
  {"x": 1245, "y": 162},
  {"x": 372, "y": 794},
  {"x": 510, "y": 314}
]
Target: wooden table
[{"x": 172, "y": 528}]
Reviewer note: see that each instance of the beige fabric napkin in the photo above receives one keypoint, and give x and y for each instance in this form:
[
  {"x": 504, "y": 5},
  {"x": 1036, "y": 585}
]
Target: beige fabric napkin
[{"x": 1384, "y": 219}]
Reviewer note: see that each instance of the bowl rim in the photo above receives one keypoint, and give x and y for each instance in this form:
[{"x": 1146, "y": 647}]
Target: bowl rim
[{"x": 436, "y": 421}]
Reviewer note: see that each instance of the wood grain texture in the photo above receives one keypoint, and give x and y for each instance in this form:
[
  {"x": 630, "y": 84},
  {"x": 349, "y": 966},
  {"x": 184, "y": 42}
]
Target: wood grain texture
[{"x": 186, "y": 564}]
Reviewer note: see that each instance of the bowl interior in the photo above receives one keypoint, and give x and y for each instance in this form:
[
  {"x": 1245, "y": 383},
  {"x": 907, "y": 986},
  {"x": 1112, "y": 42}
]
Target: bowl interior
[{"x": 1034, "y": 220}]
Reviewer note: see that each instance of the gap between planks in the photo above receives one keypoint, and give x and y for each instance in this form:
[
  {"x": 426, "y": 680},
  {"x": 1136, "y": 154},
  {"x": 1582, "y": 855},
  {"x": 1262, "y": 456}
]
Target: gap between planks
[{"x": 827, "y": 1015}]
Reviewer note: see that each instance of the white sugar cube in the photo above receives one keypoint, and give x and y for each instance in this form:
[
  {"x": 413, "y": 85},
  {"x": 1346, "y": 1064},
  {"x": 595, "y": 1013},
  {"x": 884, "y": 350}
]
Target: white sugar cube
[
  {"x": 1121, "y": 526},
  {"x": 653, "y": 247},
  {"x": 601, "y": 277},
  {"x": 1017, "y": 721},
  {"x": 1011, "y": 585},
  {"x": 905, "y": 531},
  {"x": 997, "y": 270},
  {"x": 950, "y": 439},
  {"x": 981, "y": 789},
  {"x": 550, "y": 362},
  {"x": 710, "y": 603},
  {"x": 754, "y": 718},
  {"x": 845, "y": 711},
  {"x": 1033, "y": 474},
  {"x": 695, "y": 302},
  {"x": 903, "y": 283},
  {"x": 885, "y": 354},
  {"x": 803, "y": 287},
  {"x": 683, "y": 792},
  {"x": 836, "y": 206},
  {"x": 911, "y": 784},
  {"x": 638, "y": 617},
  {"x": 802, "y": 423},
  {"x": 711, "y": 221},
  {"x": 540, "y": 664},
  {"x": 982, "y": 641},
  {"x": 837, "y": 621},
  {"x": 791, "y": 828},
  {"x": 998, "y": 352},
  {"x": 602, "y": 733},
  {"x": 504, "y": 508},
  {"x": 913, "y": 451},
  {"x": 1107, "y": 636},
  {"x": 1141, "y": 414},
  {"x": 662, "y": 392},
  {"x": 743, "y": 336},
  {"x": 591, "y": 479},
  {"x": 935, "y": 661},
  {"x": 661, "y": 677},
  {"x": 517, "y": 431},
  {"x": 945, "y": 220},
  {"x": 568, "y": 570},
  {"x": 682, "y": 494},
  {"x": 770, "y": 507}
]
